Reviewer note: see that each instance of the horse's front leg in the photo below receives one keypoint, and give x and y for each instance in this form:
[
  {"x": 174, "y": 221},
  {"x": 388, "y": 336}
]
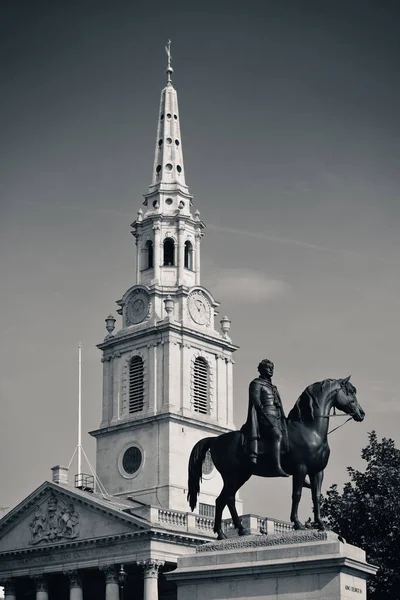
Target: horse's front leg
[
  {"x": 298, "y": 480},
  {"x": 316, "y": 485}
]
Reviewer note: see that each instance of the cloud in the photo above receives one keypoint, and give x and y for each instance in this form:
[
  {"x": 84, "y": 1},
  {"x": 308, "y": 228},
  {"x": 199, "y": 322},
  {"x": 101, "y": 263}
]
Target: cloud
[
  {"x": 247, "y": 286},
  {"x": 283, "y": 240}
]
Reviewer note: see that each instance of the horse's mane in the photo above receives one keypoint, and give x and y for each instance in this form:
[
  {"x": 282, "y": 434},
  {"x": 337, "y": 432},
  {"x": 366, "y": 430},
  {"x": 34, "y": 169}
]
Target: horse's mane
[{"x": 303, "y": 410}]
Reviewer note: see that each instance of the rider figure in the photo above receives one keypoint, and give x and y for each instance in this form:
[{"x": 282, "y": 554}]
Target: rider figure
[{"x": 266, "y": 418}]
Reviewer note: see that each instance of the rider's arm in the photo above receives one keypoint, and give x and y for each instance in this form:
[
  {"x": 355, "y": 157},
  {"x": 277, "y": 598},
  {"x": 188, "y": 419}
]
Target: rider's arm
[{"x": 254, "y": 395}]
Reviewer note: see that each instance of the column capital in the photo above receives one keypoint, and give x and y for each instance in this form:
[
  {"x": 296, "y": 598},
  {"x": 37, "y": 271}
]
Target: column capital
[
  {"x": 150, "y": 566},
  {"x": 74, "y": 578},
  {"x": 40, "y": 582},
  {"x": 9, "y": 586},
  {"x": 110, "y": 572}
]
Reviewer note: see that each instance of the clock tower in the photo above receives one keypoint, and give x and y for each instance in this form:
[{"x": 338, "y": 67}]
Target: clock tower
[{"x": 167, "y": 372}]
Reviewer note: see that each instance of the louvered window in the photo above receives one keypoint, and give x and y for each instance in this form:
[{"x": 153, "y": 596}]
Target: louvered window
[
  {"x": 201, "y": 378},
  {"x": 136, "y": 385}
]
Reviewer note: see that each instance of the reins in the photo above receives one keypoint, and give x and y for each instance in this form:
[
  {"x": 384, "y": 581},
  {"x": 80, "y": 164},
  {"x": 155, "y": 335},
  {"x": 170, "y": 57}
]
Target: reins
[
  {"x": 339, "y": 426},
  {"x": 334, "y": 415}
]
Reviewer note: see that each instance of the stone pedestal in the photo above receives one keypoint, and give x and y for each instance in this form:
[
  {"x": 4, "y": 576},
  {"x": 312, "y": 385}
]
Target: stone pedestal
[{"x": 300, "y": 565}]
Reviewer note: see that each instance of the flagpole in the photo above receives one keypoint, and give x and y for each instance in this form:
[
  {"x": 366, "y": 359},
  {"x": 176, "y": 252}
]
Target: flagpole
[{"x": 79, "y": 408}]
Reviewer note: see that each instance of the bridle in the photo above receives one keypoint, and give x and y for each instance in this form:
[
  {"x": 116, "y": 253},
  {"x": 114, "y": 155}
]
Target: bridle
[{"x": 351, "y": 403}]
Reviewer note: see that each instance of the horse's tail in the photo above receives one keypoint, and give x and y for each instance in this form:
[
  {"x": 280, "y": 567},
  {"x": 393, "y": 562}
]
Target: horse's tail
[{"x": 197, "y": 456}]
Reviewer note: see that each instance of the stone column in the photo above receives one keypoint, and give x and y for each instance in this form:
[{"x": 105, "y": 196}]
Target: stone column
[
  {"x": 198, "y": 237},
  {"x": 150, "y": 587},
  {"x": 75, "y": 584},
  {"x": 139, "y": 259},
  {"x": 157, "y": 251},
  {"x": 181, "y": 253},
  {"x": 41, "y": 587},
  {"x": 112, "y": 587},
  {"x": 10, "y": 592}
]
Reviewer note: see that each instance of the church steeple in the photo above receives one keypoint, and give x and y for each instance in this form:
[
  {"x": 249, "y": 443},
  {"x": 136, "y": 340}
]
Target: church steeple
[{"x": 168, "y": 370}]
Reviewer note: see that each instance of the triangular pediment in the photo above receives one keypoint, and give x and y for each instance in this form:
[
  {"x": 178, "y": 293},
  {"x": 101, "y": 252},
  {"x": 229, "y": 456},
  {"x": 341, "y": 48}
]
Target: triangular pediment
[{"x": 54, "y": 515}]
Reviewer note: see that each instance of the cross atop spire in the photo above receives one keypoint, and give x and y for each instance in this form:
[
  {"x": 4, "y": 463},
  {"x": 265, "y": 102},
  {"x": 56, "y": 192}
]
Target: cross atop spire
[{"x": 169, "y": 69}]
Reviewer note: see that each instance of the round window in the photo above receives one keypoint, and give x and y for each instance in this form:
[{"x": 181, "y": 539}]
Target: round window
[
  {"x": 208, "y": 464},
  {"x": 168, "y": 201},
  {"x": 132, "y": 460}
]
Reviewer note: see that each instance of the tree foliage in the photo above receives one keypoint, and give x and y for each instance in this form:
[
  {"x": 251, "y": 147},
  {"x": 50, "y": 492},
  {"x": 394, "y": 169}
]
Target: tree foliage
[{"x": 367, "y": 514}]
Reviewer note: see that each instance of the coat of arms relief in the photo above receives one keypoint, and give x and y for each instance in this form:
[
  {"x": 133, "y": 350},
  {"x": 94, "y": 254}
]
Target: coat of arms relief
[{"x": 57, "y": 521}]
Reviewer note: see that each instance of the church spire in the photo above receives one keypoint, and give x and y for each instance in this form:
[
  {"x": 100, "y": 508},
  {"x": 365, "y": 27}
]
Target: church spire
[
  {"x": 169, "y": 69},
  {"x": 168, "y": 171}
]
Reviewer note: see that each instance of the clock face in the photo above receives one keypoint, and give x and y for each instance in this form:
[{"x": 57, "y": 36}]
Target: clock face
[
  {"x": 138, "y": 307},
  {"x": 199, "y": 308}
]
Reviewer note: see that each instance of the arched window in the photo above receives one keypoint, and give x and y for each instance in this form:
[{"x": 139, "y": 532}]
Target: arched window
[
  {"x": 136, "y": 385},
  {"x": 188, "y": 255},
  {"x": 201, "y": 387},
  {"x": 149, "y": 248},
  {"x": 169, "y": 252}
]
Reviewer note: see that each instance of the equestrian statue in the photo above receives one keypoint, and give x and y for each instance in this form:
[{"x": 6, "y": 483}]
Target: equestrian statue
[{"x": 271, "y": 445}]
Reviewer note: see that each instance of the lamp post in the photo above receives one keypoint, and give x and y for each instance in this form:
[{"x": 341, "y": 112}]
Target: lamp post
[{"x": 122, "y": 575}]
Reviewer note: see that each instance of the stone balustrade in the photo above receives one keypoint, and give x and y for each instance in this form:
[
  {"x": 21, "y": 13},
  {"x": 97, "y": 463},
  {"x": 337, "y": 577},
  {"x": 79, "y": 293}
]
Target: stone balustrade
[
  {"x": 204, "y": 524},
  {"x": 185, "y": 521},
  {"x": 172, "y": 517}
]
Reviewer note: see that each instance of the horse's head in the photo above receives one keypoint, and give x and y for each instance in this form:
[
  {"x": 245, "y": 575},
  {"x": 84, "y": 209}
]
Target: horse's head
[{"x": 346, "y": 400}]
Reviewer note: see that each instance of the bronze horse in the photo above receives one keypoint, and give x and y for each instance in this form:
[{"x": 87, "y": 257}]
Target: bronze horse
[{"x": 308, "y": 452}]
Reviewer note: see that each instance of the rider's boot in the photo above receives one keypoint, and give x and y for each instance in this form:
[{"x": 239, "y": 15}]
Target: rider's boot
[{"x": 277, "y": 458}]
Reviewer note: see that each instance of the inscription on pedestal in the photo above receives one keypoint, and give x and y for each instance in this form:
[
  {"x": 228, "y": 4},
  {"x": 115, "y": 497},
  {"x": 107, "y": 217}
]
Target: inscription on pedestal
[{"x": 350, "y": 588}]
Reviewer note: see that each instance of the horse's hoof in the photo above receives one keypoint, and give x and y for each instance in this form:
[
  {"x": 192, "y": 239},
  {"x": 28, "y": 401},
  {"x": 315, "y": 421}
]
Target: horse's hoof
[
  {"x": 221, "y": 536},
  {"x": 243, "y": 531},
  {"x": 298, "y": 526}
]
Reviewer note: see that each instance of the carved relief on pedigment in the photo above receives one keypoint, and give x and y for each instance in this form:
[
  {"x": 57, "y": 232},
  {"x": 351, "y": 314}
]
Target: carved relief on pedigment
[{"x": 57, "y": 521}]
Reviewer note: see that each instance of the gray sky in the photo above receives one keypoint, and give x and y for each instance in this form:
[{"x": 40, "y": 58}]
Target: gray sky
[{"x": 291, "y": 139}]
